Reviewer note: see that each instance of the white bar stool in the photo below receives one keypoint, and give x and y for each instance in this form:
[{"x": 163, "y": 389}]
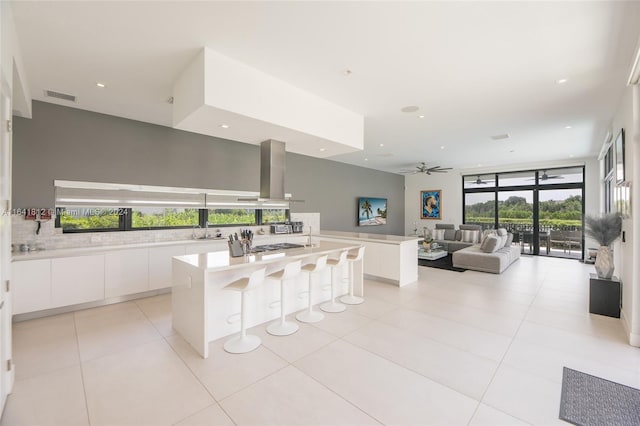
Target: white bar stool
[
  {"x": 282, "y": 327},
  {"x": 333, "y": 306},
  {"x": 309, "y": 315},
  {"x": 244, "y": 343},
  {"x": 350, "y": 299}
]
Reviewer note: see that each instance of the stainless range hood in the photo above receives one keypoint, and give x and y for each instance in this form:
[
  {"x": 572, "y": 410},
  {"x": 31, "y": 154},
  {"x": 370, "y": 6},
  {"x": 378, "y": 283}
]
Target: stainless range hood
[{"x": 272, "y": 168}]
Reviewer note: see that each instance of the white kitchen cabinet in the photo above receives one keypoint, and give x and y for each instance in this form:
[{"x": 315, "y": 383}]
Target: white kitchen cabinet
[
  {"x": 126, "y": 272},
  {"x": 160, "y": 265},
  {"x": 206, "y": 247},
  {"x": 31, "y": 287},
  {"x": 77, "y": 279}
]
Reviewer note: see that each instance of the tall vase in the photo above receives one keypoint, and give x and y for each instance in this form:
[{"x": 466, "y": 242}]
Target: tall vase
[{"x": 604, "y": 263}]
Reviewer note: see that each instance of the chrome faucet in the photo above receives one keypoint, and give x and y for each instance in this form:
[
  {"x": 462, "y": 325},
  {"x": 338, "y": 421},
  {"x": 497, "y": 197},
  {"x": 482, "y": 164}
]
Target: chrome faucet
[{"x": 193, "y": 232}]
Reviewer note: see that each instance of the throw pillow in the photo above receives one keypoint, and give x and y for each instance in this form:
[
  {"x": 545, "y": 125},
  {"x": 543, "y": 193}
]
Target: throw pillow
[
  {"x": 438, "y": 234},
  {"x": 502, "y": 232},
  {"x": 485, "y": 234},
  {"x": 491, "y": 244},
  {"x": 470, "y": 236},
  {"x": 450, "y": 234},
  {"x": 458, "y": 236},
  {"x": 509, "y": 240}
]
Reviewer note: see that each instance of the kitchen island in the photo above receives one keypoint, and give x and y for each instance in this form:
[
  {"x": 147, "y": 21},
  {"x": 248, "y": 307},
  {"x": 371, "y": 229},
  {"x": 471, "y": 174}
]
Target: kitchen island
[
  {"x": 389, "y": 258},
  {"x": 203, "y": 311}
]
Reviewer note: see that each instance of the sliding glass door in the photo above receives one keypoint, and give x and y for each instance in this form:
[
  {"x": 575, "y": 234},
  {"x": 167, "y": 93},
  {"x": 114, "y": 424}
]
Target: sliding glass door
[{"x": 544, "y": 209}]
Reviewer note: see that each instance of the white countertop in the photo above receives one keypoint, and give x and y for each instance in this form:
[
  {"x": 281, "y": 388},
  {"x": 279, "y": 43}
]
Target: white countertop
[
  {"x": 220, "y": 260},
  {"x": 82, "y": 251},
  {"x": 361, "y": 236}
]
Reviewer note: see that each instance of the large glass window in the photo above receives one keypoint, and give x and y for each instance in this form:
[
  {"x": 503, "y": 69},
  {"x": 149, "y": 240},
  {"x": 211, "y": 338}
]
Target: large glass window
[
  {"x": 480, "y": 209},
  {"x": 480, "y": 181},
  {"x": 543, "y": 208},
  {"x": 231, "y": 217},
  {"x": 517, "y": 179},
  {"x": 274, "y": 216},
  {"x": 163, "y": 217},
  {"x": 79, "y": 219},
  {"x": 560, "y": 176}
]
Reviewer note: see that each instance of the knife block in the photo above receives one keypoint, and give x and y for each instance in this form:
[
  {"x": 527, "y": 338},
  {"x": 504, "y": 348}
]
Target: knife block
[{"x": 235, "y": 248}]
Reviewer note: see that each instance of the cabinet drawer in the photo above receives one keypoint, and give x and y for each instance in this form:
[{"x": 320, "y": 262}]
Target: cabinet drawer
[
  {"x": 77, "y": 279},
  {"x": 31, "y": 289}
]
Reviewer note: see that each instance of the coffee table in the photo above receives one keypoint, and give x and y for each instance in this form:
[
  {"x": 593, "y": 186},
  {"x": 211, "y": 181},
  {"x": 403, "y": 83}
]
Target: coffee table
[{"x": 431, "y": 255}]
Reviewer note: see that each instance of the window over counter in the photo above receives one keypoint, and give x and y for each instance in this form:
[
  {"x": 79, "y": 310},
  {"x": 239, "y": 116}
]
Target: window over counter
[
  {"x": 268, "y": 216},
  {"x": 163, "y": 217},
  {"x": 126, "y": 207},
  {"x": 90, "y": 219},
  {"x": 231, "y": 217}
]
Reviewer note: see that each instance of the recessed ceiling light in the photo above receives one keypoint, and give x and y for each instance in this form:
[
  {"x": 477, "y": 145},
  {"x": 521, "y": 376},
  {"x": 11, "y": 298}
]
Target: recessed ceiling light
[
  {"x": 500, "y": 137},
  {"x": 224, "y": 126},
  {"x": 366, "y": 159},
  {"x": 101, "y": 85},
  {"x": 513, "y": 150},
  {"x": 479, "y": 165},
  {"x": 561, "y": 81},
  {"x": 421, "y": 116},
  {"x": 441, "y": 146},
  {"x": 347, "y": 72},
  {"x": 567, "y": 127},
  {"x": 381, "y": 145},
  {"x": 410, "y": 108},
  {"x": 323, "y": 149},
  {"x": 570, "y": 155}
]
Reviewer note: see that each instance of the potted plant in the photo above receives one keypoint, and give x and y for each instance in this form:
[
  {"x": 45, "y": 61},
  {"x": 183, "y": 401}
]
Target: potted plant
[{"x": 605, "y": 230}]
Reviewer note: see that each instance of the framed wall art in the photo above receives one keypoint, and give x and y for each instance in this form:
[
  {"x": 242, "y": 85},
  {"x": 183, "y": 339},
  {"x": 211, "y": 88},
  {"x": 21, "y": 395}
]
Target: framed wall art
[
  {"x": 372, "y": 211},
  {"x": 431, "y": 204}
]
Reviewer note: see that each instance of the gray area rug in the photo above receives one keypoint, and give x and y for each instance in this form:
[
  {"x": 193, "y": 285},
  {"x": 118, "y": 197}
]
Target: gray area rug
[{"x": 591, "y": 401}]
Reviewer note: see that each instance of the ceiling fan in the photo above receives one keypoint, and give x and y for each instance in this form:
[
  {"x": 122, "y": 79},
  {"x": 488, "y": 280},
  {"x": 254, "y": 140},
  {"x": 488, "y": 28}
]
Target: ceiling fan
[
  {"x": 423, "y": 168},
  {"x": 480, "y": 181},
  {"x": 544, "y": 176}
]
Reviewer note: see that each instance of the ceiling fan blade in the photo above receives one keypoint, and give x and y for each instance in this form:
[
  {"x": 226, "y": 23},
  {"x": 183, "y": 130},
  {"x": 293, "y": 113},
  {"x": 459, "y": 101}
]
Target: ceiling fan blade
[{"x": 408, "y": 172}]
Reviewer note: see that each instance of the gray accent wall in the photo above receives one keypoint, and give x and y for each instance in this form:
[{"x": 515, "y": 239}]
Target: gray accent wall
[{"x": 71, "y": 144}]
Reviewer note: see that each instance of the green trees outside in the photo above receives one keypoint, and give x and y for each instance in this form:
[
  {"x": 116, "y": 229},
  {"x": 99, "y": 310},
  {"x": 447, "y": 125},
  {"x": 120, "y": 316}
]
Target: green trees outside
[
  {"x": 516, "y": 210},
  {"x": 98, "y": 220},
  {"x": 156, "y": 218},
  {"x": 231, "y": 216}
]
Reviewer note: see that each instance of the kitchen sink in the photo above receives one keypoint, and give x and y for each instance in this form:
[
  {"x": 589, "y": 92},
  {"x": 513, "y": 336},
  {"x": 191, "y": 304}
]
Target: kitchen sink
[{"x": 274, "y": 247}]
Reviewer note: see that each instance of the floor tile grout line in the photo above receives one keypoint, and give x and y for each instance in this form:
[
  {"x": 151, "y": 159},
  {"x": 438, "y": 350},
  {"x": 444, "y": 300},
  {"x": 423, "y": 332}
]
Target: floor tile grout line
[
  {"x": 501, "y": 362},
  {"x": 411, "y": 369},
  {"x": 84, "y": 387},
  {"x": 193, "y": 373},
  {"x": 371, "y": 416},
  {"x": 459, "y": 322}
]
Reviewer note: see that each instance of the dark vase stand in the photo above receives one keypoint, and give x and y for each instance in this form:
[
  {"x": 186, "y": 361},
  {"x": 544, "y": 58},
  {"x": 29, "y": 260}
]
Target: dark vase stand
[{"x": 605, "y": 296}]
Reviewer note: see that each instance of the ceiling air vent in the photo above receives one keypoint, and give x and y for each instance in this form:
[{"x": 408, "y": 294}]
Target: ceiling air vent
[
  {"x": 500, "y": 137},
  {"x": 58, "y": 95}
]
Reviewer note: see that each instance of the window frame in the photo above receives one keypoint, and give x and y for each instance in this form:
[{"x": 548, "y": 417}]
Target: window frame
[{"x": 125, "y": 222}]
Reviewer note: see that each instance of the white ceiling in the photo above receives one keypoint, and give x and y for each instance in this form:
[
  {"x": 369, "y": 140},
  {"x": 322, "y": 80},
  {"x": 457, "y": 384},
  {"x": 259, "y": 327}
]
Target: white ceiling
[{"x": 475, "y": 69}]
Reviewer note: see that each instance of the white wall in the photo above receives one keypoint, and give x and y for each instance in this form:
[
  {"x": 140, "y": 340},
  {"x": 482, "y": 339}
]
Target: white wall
[
  {"x": 626, "y": 253},
  {"x": 451, "y": 202}
]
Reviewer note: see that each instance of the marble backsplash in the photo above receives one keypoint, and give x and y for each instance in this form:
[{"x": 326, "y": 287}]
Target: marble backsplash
[{"x": 51, "y": 238}]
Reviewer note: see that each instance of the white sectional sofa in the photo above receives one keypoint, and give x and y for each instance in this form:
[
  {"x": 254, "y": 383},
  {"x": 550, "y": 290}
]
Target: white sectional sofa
[{"x": 474, "y": 258}]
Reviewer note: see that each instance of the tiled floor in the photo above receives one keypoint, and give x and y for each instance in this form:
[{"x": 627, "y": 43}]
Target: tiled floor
[{"x": 452, "y": 349}]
